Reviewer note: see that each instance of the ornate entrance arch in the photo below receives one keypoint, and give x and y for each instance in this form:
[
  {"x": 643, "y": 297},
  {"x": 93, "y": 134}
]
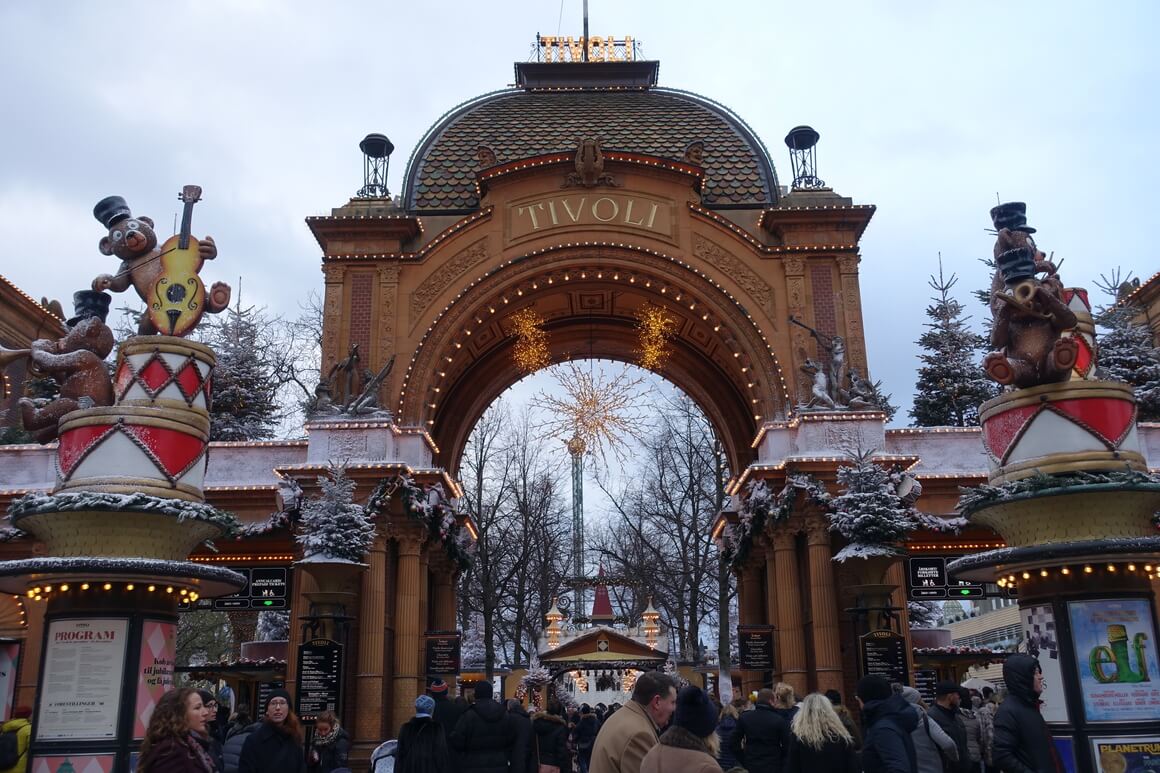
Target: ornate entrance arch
[{"x": 586, "y": 259}]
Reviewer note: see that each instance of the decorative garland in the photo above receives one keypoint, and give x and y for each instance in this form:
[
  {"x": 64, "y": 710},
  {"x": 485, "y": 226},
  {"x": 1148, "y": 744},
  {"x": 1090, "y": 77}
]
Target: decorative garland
[
  {"x": 438, "y": 518},
  {"x": 761, "y": 508},
  {"x": 977, "y": 497},
  {"x": 35, "y": 504}
]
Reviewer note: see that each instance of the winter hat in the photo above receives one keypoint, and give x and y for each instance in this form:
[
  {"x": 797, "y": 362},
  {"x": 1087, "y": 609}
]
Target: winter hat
[
  {"x": 695, "y": 712},
  {"x": 873, "y": 688},
  {"x": 424, "y": 705},
  {"x": 206, "y": 696},
  {"x": 279, "y": 693},
  {"x": 946, "y": 687},
  {"x": 483, "y": 691},
  {"x": 438, "y": 687},
  {"x": 911, "y": 695}
]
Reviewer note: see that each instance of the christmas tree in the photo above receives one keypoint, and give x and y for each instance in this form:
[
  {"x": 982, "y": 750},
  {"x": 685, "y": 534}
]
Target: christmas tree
[
  {"x": 244, "y": 389},
  {"x": 951, "y": 383},
  {"x": 273, "y": 625},
  {"x": 332, "y": 527},
  {"x": 869, "y": 513},
  {"x": 1126, "y": 351}
]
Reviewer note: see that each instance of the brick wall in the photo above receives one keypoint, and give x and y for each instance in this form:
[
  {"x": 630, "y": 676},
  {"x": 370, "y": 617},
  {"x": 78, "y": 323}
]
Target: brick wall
[
  {"x": 825, "y": 300},
  {"x": 361, "y": 287}
]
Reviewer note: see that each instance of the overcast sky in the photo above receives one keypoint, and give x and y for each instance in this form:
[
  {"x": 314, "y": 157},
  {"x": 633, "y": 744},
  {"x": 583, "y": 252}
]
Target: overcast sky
[{"x": 926, "y": 109}]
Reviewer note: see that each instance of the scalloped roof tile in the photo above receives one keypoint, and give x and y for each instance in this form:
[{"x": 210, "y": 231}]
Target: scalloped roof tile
[{"x": 518, "y": 124}]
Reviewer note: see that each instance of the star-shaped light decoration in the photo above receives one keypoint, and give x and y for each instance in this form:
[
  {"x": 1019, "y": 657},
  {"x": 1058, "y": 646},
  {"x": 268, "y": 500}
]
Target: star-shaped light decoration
[
  {"x": 531, "y": 349},
  {"x": 597, "y": 412},
  {"x": 654, "y": 328}
]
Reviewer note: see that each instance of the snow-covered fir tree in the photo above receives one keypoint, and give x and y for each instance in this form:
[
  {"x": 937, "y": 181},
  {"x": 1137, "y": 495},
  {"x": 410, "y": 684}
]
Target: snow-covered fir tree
[
  {"x": 869, "y": 513},
  {"x": 951, "y": 382},
  {"x": 245, "y": 405},
  {"x": 273, "y": 625},
  {"x": 1126, "y": 351},
  {"x": 924, "y": 614},
  {"x": 331, "y": 527}
]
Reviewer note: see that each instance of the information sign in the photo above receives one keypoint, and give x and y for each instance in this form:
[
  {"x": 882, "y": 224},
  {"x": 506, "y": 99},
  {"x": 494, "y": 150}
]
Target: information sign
[
  {"x": 83, "y": 669},
  {"x": 755, "y": 645},
  {"x": 267, "y": 587},
  {"x": 927, "y": 580},
  {"x": 884, "y": 654},
  {"x": 442, "y": 652},
  {"x": 319, "y": 677}
]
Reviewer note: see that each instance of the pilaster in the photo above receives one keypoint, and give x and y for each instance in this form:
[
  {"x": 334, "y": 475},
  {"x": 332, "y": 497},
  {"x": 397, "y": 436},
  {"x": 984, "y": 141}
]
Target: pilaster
[
  {"x": 790, "y": 637},
  {"x": 406, "y": 678},
  {"x": 368, "y": 723},
  {"x": 823, "y": 605}
]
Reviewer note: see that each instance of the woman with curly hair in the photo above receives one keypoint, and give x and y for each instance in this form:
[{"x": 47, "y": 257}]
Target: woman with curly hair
[
  {"x": 170, "y": 746},
  {"x": 276, "y": 746}
]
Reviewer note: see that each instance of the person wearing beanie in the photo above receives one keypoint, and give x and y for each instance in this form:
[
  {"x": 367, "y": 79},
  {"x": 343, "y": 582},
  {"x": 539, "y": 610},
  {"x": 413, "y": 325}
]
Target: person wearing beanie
[
  {"x": 422, "y": 743},
  {"x": 1022, "y": 741},
  {"x": 886, "y": 746},
  {"x": 21, "y": 725},
  {"x": 447, "y": 712},
  {"x": 945, "y": 712},
  {"x": 819, "y": 741},
  {"x": 276, "y": 746},
  {"x": 931, "y": 743},
  {"x": 761, "y": 740},
  {"x": 484, "y": 738},
  {"x": 690, "y": 745}
]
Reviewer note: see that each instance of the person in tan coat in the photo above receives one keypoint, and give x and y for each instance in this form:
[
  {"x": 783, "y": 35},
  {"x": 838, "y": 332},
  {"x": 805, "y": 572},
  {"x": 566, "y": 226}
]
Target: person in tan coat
[
  {"x": 690, "y": 745},
  {"x": 628, "y": 734}
]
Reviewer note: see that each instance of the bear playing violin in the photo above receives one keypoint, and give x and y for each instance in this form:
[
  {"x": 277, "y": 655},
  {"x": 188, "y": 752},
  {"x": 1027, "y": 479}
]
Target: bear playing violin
[{"x": 165, "y": 277}]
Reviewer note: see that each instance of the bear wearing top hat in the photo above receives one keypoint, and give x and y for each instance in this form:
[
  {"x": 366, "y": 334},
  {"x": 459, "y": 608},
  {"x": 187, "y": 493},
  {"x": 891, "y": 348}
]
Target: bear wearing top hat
[
  {"x": 133, "y": 240},
  {"x": 1028, "y": 309}
]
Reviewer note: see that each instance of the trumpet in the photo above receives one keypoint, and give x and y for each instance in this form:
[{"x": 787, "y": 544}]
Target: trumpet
[{"x": 9, "y": 356}]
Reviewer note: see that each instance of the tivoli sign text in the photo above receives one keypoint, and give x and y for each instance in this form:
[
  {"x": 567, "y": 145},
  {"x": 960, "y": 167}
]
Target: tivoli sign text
[{"x": 530, "y": 217}]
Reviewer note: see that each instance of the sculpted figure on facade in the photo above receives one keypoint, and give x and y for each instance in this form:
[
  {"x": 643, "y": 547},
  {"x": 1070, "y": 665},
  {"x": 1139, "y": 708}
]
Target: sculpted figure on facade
[
  {"x": 589, "y": 166},
  {"x": 1028, "y": 308}
]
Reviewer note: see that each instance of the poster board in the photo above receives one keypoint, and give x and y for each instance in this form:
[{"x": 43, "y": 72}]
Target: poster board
[
  {"x": 9, "y": 675},
  {"x": 1041, "y": 640},
  {"x": 1115, "y": 654},
  {"x": 1124, "y": 754},
  {"x": 84, "y": 667},
  {"x": 154, "y": 670},
  {"x": 78, "y": 763},
  {"x": 755, "y": 647}
]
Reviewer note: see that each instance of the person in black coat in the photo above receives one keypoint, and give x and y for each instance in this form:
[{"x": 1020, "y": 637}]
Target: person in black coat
[
  {"x": 484, "y": 736},
  {"x": 819, "y": 741},
  {"x": 1022, "y": 741},
  {"x": 551, "y": 733},
  {"x": 330, "y": 747},
  {"x": 584, "y": 736},
  {"x": 945, "y": 712},
  {"x": 447, "y": 712},
  {"x": 760, "y": 741},
  {"x": 211, "y": 740},
  {"x": 523, "y": 758},
  {"x": 276, "y": 746},
  {"x": 422, "y": 744},
  {"x": 232, "y": 751},
  {"x": 886, "y": 746}
]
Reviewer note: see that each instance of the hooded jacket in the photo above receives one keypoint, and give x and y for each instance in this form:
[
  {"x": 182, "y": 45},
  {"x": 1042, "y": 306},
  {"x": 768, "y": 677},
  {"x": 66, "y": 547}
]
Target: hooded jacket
[
  {"x": 887, "y": 746},
  {"x": 483, "y": 738},
  {"x": 1022, "y": 742},
  {"x": 551, "y": 739},
  {"x": 232, "y": 751},
  {"x": 931, "y": 743},
  {"x": 422, "y": 747},
  {"x": 23, "y": 729},
  {"x": 761, "y": 740}
]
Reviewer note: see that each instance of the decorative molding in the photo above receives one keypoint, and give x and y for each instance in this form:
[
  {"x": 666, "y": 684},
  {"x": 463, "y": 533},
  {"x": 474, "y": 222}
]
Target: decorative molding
[
  {"x": 736, "y": 269},
  {"x": 459, "y": 264},
  {"x": 794, "y": 266},
  {"x": 848, "y": 264}
]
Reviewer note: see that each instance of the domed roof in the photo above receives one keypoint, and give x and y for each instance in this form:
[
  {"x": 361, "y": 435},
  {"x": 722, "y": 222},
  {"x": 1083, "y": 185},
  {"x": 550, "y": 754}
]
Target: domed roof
[{"x": 518, "y": 123}]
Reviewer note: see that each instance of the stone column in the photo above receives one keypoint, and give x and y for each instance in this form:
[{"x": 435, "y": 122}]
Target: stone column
[
  {"x": 790, "y": 637},
  {"x": 407, "y": 685},
  {"x": 824, "y": 605},
  {"x": 424, "y": 609},
  {"x": 443, "y": 577},
  {"x": 749, "y": 610},
  {"x": 771, "y": 604},
  {"x": 304, "y": 584},
  {"x": 368, "y": 723},
  {"x": 852, "y": 311}
]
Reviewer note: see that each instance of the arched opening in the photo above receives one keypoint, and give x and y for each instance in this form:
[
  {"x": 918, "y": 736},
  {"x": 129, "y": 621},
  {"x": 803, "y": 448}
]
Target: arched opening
[{"x": 589, "y": 296}]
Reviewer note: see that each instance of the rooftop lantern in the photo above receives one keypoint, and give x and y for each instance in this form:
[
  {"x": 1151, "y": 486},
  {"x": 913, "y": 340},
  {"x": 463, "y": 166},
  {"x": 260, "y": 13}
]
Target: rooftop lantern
[
  {"x": 377, "y": 151},
  {"x": 652, "y": 628},
  {"x": 553, "y": 617},
  {"x": 802, "y": 142}
]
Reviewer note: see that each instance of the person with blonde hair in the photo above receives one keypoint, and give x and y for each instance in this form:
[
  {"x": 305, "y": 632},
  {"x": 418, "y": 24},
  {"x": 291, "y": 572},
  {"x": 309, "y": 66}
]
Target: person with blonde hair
[
  {"x": 785, "y": 701},
  {"x": 819, "y": 741},
  {"x": 726, "y": 724}
]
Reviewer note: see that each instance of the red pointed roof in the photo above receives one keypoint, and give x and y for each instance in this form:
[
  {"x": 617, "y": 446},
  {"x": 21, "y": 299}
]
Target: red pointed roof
[{"x": 601, "y": 604}]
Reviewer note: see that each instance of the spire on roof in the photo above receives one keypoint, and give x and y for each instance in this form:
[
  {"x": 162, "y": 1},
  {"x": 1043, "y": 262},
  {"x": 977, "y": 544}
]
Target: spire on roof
[{"x": 602, "y": 604}]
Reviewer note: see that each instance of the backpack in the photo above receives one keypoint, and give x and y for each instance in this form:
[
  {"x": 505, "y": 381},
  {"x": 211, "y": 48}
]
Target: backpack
[{"x": 9, "y": 749}]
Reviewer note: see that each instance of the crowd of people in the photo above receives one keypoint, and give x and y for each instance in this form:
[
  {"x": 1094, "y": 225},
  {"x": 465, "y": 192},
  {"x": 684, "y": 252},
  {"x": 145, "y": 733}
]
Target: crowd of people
[{"x": 663, "y": 728}]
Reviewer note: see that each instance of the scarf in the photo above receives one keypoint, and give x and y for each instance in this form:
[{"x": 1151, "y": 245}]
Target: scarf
[
  {"x": 329, "y": 738},
  {"x": 200, "y": 753}
]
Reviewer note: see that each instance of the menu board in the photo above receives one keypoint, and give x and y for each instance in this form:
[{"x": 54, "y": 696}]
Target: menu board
[
  {"x": 319, "y": 677},
  {"x": 755, "y": 646},
  {"x": 884, "y": 654},
  {"x": 925, "y": 681},
  {"x": 84, "y": 665},
  {"x": 442, "y": 652},
  {"x": 1115, "y": 648}
]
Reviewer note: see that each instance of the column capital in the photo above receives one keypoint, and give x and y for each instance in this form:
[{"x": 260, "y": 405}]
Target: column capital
[
  {"x": 817, "y": 530},
  {"x": 848, "y": 264},
  {"x": 794, "y": 266}
]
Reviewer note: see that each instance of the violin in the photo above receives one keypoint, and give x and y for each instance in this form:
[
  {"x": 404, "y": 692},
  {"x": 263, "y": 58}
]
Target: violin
[{"x": 177, "y": 297}]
